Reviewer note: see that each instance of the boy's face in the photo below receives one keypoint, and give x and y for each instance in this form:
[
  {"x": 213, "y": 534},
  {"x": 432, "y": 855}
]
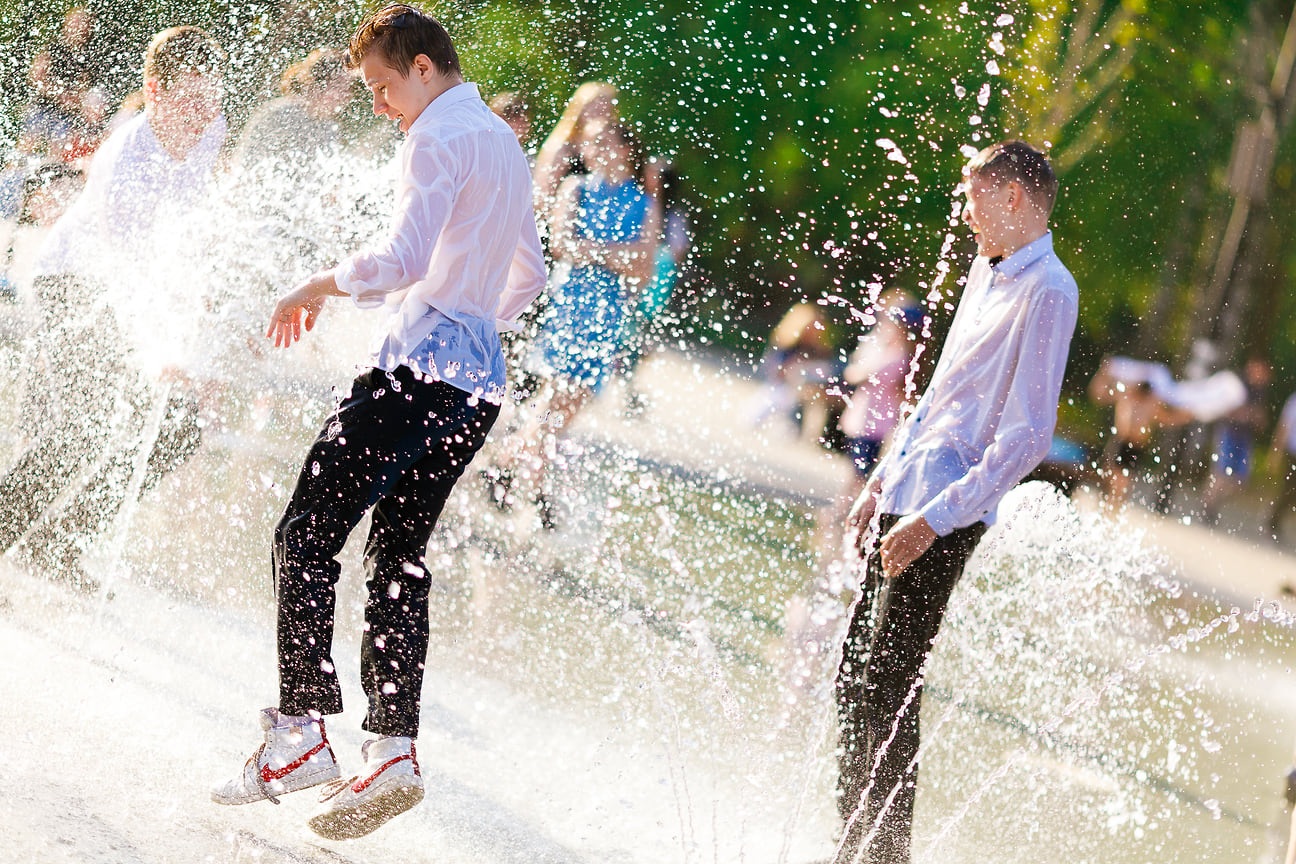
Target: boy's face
[
  {"x": 990, "y": 213},
  {"x": 396, "y": 96},
  {"x": 182, "y": 112}
]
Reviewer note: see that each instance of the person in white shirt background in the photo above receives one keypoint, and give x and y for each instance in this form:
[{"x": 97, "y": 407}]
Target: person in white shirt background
[
  {"x": 105, "y": 341},
  {"x": 984, "y": 422},
  {"x": 1282, "y": 463},
  {"x": 462, "y": 257}
]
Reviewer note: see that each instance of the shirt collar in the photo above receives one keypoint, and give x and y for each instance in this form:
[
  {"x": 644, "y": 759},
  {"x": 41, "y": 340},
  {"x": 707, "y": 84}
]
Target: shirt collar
[
  {"x": 1014, "y": 264},
  {"x": 448, "y": 98}
]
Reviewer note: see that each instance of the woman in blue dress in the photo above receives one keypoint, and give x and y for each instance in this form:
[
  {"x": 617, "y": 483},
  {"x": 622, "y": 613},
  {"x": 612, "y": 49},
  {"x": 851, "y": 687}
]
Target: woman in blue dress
[
  {"x": 606, "y": 231},
  {"x": 605, "y": 234}
]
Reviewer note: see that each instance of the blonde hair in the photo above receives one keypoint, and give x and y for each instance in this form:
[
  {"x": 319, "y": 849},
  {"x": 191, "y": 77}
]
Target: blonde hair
[
  {"x": 795, "y": 323},
  {"x": 571, "y": 124}
]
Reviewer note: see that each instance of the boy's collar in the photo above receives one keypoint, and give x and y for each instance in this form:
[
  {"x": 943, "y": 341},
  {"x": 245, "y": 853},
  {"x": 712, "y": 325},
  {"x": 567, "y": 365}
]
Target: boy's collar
[
  {"x": 461, "y": 92},
  {"x": 1018, "y": 261}
]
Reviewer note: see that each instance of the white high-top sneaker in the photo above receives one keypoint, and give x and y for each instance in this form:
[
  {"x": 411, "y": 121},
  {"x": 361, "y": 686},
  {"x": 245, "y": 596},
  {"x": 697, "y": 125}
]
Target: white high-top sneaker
[
  {"x": 389, "y": 785},
  {"x": 294, "y": 756}
]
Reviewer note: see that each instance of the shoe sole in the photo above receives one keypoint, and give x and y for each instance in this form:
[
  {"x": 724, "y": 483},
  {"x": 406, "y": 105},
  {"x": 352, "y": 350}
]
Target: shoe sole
[{"x": 349, "y": 822}]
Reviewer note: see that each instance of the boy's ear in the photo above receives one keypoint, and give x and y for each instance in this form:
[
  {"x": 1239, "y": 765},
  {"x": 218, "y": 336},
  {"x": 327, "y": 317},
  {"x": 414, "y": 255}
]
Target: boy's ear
[
  {"x": 424, "y": 66},
  {"x": 151, "y": 91}
]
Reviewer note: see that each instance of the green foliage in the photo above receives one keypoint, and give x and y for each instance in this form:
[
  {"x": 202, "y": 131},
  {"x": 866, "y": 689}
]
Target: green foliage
[{"x": 820, "y": 139}]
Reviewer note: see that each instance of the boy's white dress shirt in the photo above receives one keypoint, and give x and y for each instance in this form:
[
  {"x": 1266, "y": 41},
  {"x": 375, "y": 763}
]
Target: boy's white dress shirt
[
  {"x": 131, "y": 234},
  {"x": 988, "y": 415},
  {"x": 463, "y": 256},
  {"x": 134, "y": 191}
]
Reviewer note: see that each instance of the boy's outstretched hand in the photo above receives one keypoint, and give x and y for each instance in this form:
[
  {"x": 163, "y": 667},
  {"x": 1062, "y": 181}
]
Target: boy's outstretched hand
[{"x": 286, "y": 321}]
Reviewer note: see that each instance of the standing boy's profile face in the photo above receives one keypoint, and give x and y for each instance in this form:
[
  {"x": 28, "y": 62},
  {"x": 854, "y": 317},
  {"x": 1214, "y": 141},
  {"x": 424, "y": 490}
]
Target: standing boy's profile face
[
  {"x": 399, "y": 96},
  {"x": 990, "y": 212}
]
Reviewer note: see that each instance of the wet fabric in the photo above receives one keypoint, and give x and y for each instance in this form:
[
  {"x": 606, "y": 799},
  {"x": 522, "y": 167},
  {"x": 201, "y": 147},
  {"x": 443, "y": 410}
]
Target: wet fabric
[
  {"x": 462, "y": 258},
  {"x": 987, "y": 418},
  {"x": 397, "y": 444},
  {"x": 583, "y": 331},
  {"x": 879, "y": 692}
]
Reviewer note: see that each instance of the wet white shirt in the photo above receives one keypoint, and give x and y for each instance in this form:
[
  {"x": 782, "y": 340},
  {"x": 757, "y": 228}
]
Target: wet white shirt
[
  {"x": 463, "y": 256},
  {"x": 988, "y": 415},
  {"x": 134, "y": 231},
  {"x": 134, "y": 192}
]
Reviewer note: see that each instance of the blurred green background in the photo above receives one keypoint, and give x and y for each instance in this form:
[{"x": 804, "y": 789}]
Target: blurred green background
[{"x": 820, "y": 141}]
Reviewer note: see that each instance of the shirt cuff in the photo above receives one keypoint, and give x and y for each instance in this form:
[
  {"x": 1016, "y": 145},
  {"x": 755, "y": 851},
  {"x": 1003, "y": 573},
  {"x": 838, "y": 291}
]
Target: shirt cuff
[
  {"x": 345, "y": 279},
  {"x": 938, "y": 516},
  {"x": 344, "y": 276}
]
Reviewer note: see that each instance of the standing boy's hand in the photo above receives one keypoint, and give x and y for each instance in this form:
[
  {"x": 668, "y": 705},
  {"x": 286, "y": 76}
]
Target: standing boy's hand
[
  {"x": 905, "y": 543},
  {"x": 308, "y": 297}
]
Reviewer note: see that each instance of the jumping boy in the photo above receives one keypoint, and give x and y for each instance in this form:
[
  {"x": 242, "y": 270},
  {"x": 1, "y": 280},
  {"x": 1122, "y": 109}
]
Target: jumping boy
[
  {"x": 463, "y": 253},
  {"x": 984, "y": 422},
  {"x": 97, "y": 268}
]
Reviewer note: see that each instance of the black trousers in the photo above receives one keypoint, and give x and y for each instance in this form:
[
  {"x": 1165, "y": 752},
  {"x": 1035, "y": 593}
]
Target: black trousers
[
  {"x": 397, "y": 445},
  {"x": 84, "y": 404},
  {"x": 879, "y": 692}
]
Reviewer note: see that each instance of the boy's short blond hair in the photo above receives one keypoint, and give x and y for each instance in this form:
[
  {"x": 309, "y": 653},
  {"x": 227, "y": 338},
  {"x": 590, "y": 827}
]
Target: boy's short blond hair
[
  {"x": 400, "y": 33},
  {"x": 180, "y": 50},
  {"x": 1017, "y": 161}
]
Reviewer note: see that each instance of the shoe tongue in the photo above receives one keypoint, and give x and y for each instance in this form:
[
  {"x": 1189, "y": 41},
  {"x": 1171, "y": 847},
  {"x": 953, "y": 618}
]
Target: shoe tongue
[{"x": 382, "y": 749}]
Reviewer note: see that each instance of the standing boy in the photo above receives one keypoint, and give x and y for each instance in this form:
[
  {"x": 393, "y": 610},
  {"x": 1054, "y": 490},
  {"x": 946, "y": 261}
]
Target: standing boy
[
  {"x": 463, "y": 254},
  {"x": 102, "y": 263},
  {"x": 985, "y": 421}
]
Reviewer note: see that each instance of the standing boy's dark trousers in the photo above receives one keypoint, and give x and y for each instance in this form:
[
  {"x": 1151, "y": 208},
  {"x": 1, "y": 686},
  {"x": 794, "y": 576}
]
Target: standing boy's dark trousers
[
  {"x": 879, "y": 692},
  {"x": 396, "y": 444}
]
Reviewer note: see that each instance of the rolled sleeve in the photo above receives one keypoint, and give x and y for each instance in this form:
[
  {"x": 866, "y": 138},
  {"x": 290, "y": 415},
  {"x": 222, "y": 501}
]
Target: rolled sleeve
[{"x": 424, "y": 202}]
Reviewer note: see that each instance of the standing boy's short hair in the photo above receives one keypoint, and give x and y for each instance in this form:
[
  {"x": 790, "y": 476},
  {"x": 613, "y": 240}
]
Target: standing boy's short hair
[
  {"x": 1017, "y": 161},
  {"x": 400, "y": 33},
  {"x": 179, "y": 50}
]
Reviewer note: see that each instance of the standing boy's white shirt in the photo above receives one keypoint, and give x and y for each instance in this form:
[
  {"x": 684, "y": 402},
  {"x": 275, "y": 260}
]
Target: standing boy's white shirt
[
  {"x": 987, "y": 418},
  {"x": 463, "y": 257},
  {"x": 131, "y": 233}
]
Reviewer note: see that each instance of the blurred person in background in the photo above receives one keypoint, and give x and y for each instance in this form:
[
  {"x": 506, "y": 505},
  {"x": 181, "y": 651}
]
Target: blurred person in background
[
  {"x": 1282, "y": 462},
  {"x": 797, "y": 370},
  {"x": 513, "y": 110},
  {"x": 606, "y": 230},
  {"x": 114, "y": 336},
  {"x": 288, "y": 131},
  {"x": 876, "y": 376},
  {"x": 46, "y": 194},
  {"x": 1138, "y": 414},
  {"x": 560, "y": 155},
  {"x": 1234, "y": 441},
  {"x": 65, "y": 119}
]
